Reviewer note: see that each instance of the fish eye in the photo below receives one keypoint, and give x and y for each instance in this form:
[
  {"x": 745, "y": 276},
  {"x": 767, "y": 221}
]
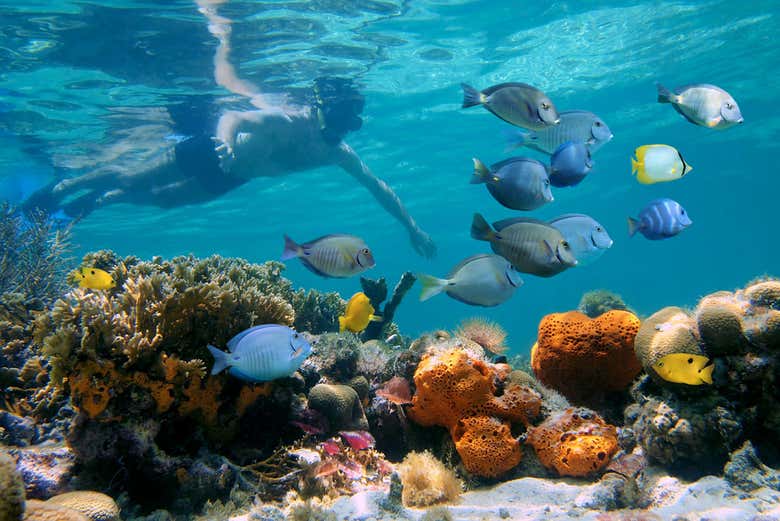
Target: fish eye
[
  {"x": 365, "y": 251},
  {"x": 729, "y": 106},
  {"x": 564, "y": 244},
  {"x": 546, "y": 182},
  {"x": 598, "y": 123},
  {"x": 545, "y": 105},
  {"x": 682, "y": 212},
  {"x": 91, "y": 272},
  {"x": 599, "y": 229},
  {"x": 690, "y": 360}
]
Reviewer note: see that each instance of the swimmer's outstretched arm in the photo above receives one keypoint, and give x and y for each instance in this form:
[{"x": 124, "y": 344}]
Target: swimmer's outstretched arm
[
  {"x": 349, "y": 161},
  {"x": 224, "y": 72}
]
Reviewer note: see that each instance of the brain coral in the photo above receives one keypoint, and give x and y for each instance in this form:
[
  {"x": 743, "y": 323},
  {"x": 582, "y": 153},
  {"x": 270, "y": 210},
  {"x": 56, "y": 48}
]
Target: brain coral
[
  {"x": 94, "y": 505},
  {"x": 574, "y": 442},
  {"x": 582, "y": 357},
  {"x": 670, "y": 330},
  {"x": 468, "y": 397},
  {"x": 45, "y": 511}
]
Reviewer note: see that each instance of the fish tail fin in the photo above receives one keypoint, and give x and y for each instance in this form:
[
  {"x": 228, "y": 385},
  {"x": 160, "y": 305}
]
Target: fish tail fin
[
  {"x": 480, "y": 229},
  {"x": 635, "y": 166},
  {"x": 471, "y": 96},
  {"x": 431, "y": 286},
  {"x": 291, "y": 249},
  {"x": 706, "y": 373},
  {"x": 516, "y": 138},
  {"x": 633, "y": 226},
  {"x": 664, "y": 96},
  {"x": 481, "y": 172},
  {"x": 342, "y": 324},
  {"x": 375, "y": 318},
  {"x": 221, "y": 361}
]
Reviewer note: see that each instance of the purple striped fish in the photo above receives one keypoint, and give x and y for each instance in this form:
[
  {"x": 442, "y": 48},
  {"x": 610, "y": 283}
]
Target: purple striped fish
[{"x": 661, "y": 219}]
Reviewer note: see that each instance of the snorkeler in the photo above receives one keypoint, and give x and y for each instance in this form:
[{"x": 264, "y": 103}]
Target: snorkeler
[{"x": 275, "y": 140}]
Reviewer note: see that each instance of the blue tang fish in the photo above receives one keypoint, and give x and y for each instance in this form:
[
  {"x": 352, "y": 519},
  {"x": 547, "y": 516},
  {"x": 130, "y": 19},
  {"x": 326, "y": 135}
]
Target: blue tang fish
[
  {"x": 586, "y": 236},
  {"x": 569, "y": 164},
  {"x": 519, "y": 183},
  {"x": 661, "y": 219},
  {"x": 262, "y": 353},
  {"x": 576, "y": 125}
]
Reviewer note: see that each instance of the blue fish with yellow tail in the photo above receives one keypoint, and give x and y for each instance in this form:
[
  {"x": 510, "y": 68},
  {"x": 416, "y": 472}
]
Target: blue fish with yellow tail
[{"x": 262, "y": 353}]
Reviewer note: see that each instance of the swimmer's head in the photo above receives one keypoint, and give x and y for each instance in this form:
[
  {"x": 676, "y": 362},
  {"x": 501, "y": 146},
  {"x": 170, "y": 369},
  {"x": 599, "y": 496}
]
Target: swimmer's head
[{"x": 338, "y": 104}]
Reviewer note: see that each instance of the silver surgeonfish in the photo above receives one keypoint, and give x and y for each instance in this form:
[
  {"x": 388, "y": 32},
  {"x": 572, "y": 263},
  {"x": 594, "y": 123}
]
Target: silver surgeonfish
[
  {"x": 532, "y": 246},
  {"x": 337, "y": 256},
  {"x": 702, "y": 104},
  {"x": 516, "y": 103},
  {"x": 481, "y": 280},
  {"x": 519, "y": 183},
  {"x": 262, "y": 353},
  {"x": 587, "y": 238},
  {"x": 577, "y": 126}
]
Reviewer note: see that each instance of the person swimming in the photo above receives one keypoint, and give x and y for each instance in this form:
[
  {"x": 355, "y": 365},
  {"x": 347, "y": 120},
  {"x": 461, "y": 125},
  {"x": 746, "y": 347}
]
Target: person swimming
[{"x": 275, "y": 140}]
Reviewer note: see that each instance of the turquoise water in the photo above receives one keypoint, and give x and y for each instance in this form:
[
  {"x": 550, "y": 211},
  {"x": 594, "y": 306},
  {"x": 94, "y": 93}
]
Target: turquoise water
[{"x": 79, "y": 76}]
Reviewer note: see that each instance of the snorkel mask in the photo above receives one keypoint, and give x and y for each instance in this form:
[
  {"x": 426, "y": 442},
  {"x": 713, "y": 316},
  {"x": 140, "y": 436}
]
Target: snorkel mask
[{"x": 338, "y": 105}]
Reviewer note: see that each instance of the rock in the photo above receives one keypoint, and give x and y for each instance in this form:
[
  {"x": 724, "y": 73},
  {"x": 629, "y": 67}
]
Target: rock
[
  {"x": 11, "y": 490},
  {"x": 46, "y": 469},
  {"x": 19, "y": 431},
  {"x": 745, "y": 470}
]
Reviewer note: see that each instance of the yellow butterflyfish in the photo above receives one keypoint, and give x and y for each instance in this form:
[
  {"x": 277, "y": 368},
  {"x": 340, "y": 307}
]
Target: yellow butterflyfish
[
  {"x": 658, "y": 163},
  {"x": 685, "y": 368},
  {"x": 358, "y": 314},
  {"x": 93, "y": 278}
]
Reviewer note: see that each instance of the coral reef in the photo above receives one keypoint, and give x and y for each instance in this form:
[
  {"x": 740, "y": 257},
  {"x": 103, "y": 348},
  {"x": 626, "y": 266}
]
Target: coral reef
[
  {"x": 467, "y": 396},
  {"x": 134, "y": 364},
  {"x": 11, "y": 490},
  {"x": 585, "y": 358},
  {"x": 574, "y": 442},
  {"x": 46, "y": 468},
  {"x": 427, "y": 481},
  {"x": 670, "y": 330},
  {"x": 45, "y": 511},
  {"x": 597, "y": 302},
  {"x": 490, "y": 335},
  {"x": 747, "y": 472},
  {"x": 94, "y": 505}
]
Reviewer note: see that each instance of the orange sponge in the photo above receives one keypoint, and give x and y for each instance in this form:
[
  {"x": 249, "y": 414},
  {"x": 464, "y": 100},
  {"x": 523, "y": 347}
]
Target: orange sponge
[
  {"x": 575, "y": 442},
  {"x": 469, "y": 397},
  {"x": 582, "y": 357}
]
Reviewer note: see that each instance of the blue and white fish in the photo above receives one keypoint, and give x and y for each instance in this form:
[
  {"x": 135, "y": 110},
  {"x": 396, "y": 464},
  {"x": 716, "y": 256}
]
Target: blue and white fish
[
  {"x": 587, "y": 238},
  {"x": 337, "y": 256},
  {"x": 579, "y": 126},
  {"x": 262, "y": 353},
  {"x": 519, "y": 183},
  {"x": 661, "y": 219},
  {"x": 702, "y": 104},
  {"x": 480, "y": 280},
  {"x": 569, "y": 164}
]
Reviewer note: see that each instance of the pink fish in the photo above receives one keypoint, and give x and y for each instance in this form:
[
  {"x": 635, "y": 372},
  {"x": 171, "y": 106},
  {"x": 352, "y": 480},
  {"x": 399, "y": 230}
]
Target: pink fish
[
  {"x": 352, "y": 469},
  {"x": 331, "y": 447},
  {"x": 358, "y": 440},
  {"x": 307, "y": 428}
]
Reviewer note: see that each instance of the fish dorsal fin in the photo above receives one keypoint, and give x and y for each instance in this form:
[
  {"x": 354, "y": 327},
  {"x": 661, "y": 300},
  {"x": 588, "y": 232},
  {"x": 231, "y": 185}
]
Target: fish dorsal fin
[
  {"x": 500, "y": 225},
  {"x": 569, "y": 216},
  {"x": 468, "y": 260},
  {"x": 508, "y": 161},
  {"x": 576, "y": 112},
  {"x": 494, "y": 88},
  {"x": 233, "y": 342},
  {"x": 329, "y": 236}
]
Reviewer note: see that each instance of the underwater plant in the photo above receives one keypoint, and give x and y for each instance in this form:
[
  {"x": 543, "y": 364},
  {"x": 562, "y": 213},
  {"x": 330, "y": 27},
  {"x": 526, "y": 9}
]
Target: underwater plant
[
  {"x": 490, "y": 335},
  {"x": 427, "y": 481}
]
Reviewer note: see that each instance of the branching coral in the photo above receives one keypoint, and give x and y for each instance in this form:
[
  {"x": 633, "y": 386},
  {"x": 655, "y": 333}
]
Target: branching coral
[{"x": 470, "y": 398}]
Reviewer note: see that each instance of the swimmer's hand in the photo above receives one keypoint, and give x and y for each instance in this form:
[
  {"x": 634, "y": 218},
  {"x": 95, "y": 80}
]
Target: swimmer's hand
[
  {"x": 225, "y": 153},
  {"x": 422, "y": 243}
]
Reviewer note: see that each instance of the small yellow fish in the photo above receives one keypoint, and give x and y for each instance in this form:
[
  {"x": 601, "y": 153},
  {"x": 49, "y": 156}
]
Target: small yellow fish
[
  {"x": 358, "y": 314},
  {"x": 685, "y": 368},
  {"x": 658, "y": 163},
  {"x": 93, "y": 278}
]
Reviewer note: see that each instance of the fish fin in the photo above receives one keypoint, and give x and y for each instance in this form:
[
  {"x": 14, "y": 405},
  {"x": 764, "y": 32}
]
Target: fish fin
[
  {"x": 635, "y": 166},
  {"x": 664, "y": 95},
  {"x": 431, "y": 286},
  {"x": 517, "y": 138},
  {"x": 309, "y": 266},
  {"x": 375, "y": 318},
  {"x": 481, "y": 172},
  {"x": 481, "y": 230},
  {"x": 221, "y": 360},
  {"x": 471, "y": 96},
  {"x": 633, "y": 226},
  {"x": 291, "y": 249},
  {"x": 705, "y": 373},
  {"x": 712, "y": 123},
  {"x": 342, "y": 324},
  {"x": 504, "y": 223}
]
